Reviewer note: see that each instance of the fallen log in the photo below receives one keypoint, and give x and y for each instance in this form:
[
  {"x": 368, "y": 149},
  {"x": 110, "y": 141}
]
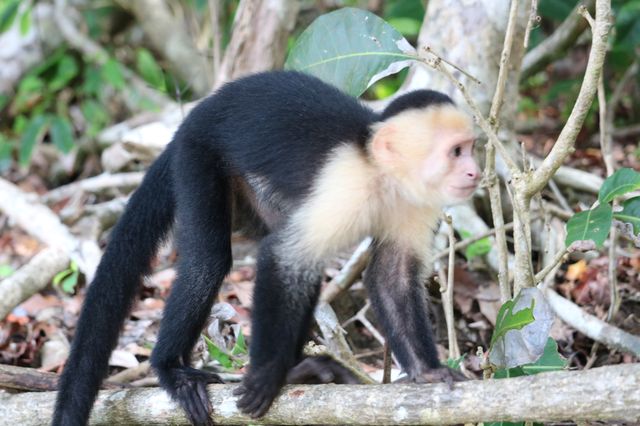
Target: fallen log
[{"x": 606, "y": 393}]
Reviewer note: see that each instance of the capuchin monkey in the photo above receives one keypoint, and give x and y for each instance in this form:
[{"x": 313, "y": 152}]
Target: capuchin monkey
[{"x": 321, "y": 171}]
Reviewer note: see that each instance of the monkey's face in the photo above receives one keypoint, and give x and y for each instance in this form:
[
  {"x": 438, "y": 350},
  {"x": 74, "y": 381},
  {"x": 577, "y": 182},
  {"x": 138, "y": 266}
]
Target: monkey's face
[
  {"x": 429, "y": 153},
  {"x": 451, "y": 168}
]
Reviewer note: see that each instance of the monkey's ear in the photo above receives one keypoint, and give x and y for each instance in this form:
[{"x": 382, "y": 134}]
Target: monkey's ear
[{"x": 382, "y": 147}]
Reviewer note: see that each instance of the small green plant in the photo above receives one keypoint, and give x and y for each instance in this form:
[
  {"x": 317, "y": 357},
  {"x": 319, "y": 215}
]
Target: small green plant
[
  {"x": 478, "y": 248},
  {"x": 594, "y": 224},
  {"x": 231, "y": 359},
  {"x": 67, "y": 280}
]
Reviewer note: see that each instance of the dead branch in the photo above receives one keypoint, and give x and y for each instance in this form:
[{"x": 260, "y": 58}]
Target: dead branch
[
  {"x": 124, "y": 181},
  {"x": 26, "y": 211},
  {"x": 27, "y": 379},
  {"x": 31, "y": 278},
  {"x": 591, "y": 326},
  {"x": 606, "y": 393}
]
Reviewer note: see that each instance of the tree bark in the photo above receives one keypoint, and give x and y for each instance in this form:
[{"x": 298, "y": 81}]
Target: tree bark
[
  {"x": 606, "y": 393},
  {"x": 252, "y": 51}
]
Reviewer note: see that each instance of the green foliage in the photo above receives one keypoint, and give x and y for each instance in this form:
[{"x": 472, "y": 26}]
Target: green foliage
[
  {"x": 8, "y": 14},
  {"x": 229, "y": 359},
  {"x": 594, "y": 224},
  {"x": 454, "y": 364},
  {"x": 347, "y": 48},
  {"x": 621, "y": 182},
  {"x": 630, "y": 213},
  {"x": 150, "y": 70},
  {"x": 509, "y": 320},
  {"x": 479, "y": 248},
  {"x": 67, "y": 280}
]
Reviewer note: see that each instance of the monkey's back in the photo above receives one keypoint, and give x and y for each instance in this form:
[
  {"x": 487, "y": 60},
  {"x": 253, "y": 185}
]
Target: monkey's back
[{"x": 270, "y": 124}]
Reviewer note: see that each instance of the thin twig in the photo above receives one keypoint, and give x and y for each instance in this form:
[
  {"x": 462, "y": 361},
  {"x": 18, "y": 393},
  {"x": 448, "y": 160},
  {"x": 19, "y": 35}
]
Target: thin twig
[
  {"x": 534, "y": 18},
  {"x": 446, "y": 289},
  {"x": 493, "y": 183}
]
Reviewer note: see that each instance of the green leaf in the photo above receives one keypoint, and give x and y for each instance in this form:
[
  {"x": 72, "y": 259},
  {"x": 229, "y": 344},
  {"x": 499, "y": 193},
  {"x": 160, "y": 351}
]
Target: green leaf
[
  {"x": 240, "y": 348},
  {"x": 348, "y": 48},
  {"x": 112, "y": 73},
  {"x": 509, "y": 320},
  {"x": 96, "y": 115},
  {"x": 66, "y": 70},
  {"x": 592, "y": 224},
  {"x": 8, "y": 15},
  {"x": 150, "y": 70},
  {"x": 6, "y": 271},
  {"x": 25, "y": 22},
  {"x": 630, "y": 213},
  {"x": 479, "y": 248},
  {"x": 30, "y": 89},
  {"x": 217, "y": 354},
  {"x": 57, "y": 279},
  {"x": 62, "y": 134},
  {"x": 455, "y": 363},
  {"x": 69, "y": 284},
  {"x": 551, "y": 360},
  {"x": 622, "y": 181},
  {"x": 33, "y": 133}
]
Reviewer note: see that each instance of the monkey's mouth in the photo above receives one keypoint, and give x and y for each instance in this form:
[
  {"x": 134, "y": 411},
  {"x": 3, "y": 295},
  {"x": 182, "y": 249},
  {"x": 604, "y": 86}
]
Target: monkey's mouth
[{"x": 465, "y": 191}]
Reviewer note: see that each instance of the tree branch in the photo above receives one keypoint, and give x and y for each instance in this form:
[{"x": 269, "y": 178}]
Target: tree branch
[
  {"x": 606, "y": 393},
  {"x": 557, "y": 43},
  {"x": 565, "y": 143}
]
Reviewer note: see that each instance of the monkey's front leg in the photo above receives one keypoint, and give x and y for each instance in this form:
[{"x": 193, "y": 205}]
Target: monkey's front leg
[
  {"x": 283, "y": 302},
  {"x": 393, "y": 280}
]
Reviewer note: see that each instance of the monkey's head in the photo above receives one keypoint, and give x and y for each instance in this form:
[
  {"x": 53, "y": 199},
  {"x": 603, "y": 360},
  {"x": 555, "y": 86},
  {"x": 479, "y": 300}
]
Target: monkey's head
[{"x": 424, "y": 143}]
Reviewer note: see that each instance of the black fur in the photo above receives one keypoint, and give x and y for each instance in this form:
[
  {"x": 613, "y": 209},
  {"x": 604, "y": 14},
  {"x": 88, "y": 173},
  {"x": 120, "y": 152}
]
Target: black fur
[
  {"x": 272, "y": 132},
  {"x": 415, "y": 100}
]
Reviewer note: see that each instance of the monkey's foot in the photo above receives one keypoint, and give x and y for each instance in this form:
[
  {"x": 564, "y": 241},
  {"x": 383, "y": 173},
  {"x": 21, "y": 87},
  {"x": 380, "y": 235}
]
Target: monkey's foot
[
  {"x": 258, "y": 390},
  {"x": 439, "y": 375},
  {"x": 188, "y": 386}
]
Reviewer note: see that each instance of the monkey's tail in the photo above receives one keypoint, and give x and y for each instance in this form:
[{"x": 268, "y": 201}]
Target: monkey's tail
[{"x": 134, "y": 242}]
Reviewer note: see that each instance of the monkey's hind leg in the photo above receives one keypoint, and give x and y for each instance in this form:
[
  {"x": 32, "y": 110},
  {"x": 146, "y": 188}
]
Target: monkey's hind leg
[
  {"x": 204, "y": 247},
  {"x": 284, "y": 298}
]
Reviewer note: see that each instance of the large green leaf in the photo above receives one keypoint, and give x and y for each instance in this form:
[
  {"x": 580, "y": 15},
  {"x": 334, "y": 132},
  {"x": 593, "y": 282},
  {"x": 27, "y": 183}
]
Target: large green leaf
[
  {"x": 630, "y": 213},
  {"x": 351, "y": 49},
  {"x": 622, "y": 181},
  {"x": 592, "y": 224}
]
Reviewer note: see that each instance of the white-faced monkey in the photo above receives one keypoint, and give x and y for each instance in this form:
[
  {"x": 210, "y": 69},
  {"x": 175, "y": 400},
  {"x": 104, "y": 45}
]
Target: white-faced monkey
[{"x": 320, "y": 171}]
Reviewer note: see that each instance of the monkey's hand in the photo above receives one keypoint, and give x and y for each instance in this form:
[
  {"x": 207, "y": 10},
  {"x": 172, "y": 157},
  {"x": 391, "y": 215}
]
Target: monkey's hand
[
  {"x": 188, "y": 386},
  {"x": 437, "y": 375},
  {"x": 259, "y": 388}
]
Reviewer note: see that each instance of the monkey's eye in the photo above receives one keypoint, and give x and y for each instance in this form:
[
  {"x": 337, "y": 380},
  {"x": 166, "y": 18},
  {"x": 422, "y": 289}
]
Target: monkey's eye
[{"x": 457, "y": 151}]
